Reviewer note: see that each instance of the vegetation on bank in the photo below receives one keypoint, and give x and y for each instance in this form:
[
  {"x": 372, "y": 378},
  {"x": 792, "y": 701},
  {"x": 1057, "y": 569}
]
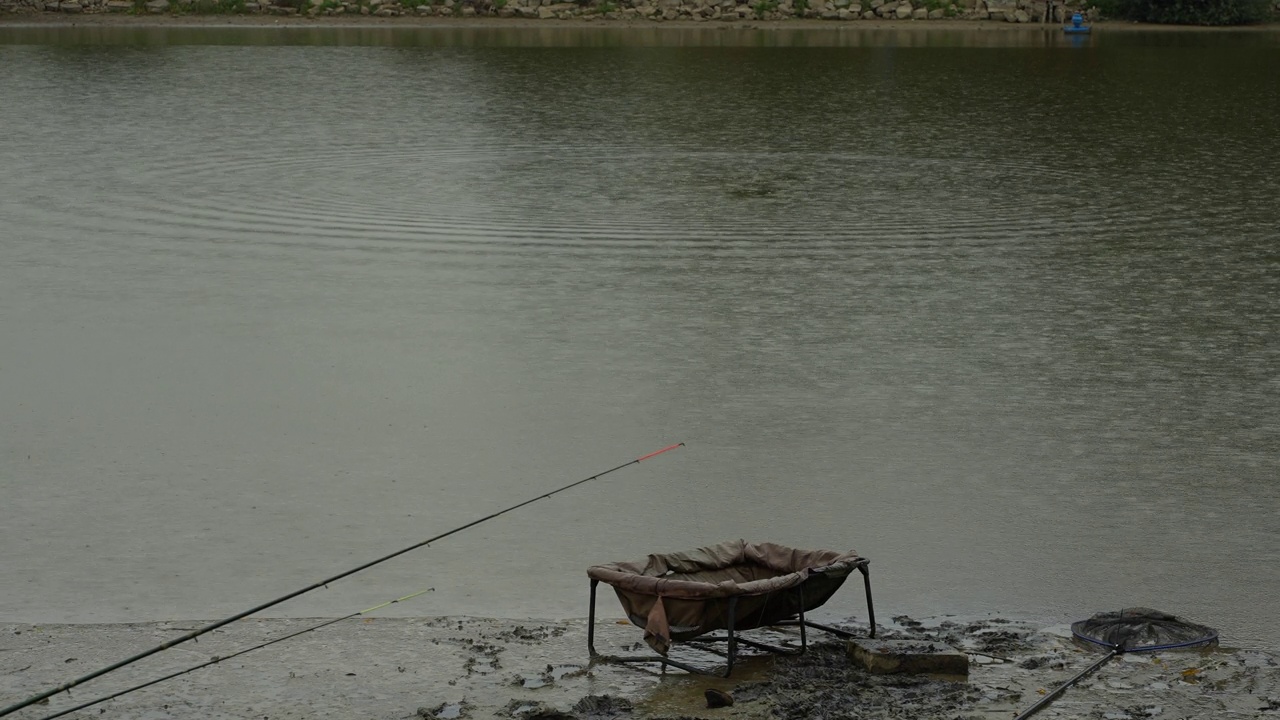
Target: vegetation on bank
[
  {"x": 1184, "y": 12},
  {"x": 1191, "y": 12},
  {"x": 1169, "y": 12}
]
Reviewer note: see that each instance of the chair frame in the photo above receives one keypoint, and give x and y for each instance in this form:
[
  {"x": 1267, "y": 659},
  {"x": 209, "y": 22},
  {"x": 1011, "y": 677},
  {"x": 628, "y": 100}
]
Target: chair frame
[{"x": 731, "y": 636}]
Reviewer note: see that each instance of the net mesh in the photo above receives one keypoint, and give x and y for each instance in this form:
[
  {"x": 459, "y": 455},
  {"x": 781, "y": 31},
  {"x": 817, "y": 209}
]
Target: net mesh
[{"x": 1142, "y": 629}]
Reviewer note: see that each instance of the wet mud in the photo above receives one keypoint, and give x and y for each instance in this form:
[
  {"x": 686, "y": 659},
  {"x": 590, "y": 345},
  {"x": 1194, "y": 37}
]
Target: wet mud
[{"x": 455, "y": 668}]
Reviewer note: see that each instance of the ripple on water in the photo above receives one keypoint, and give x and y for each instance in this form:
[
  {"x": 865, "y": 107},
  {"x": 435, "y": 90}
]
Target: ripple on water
[{"x": 626, "y": 201}]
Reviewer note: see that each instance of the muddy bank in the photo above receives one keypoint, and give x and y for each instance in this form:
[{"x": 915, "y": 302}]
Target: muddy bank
[{"x": 481, "y": 668}]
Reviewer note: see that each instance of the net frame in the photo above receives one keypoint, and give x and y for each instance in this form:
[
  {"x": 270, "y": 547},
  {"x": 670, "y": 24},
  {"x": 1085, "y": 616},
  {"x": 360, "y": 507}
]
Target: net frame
[{"x": 1126, "y": 625}]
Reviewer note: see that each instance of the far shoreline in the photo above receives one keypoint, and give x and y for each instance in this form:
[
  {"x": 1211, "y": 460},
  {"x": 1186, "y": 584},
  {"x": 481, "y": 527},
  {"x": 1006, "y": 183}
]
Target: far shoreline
[{"x": 126, "y": 20}]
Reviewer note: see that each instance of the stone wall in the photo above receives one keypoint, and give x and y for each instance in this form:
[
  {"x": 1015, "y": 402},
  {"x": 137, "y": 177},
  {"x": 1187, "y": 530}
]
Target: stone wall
[{"x": 1014, "y": 11}]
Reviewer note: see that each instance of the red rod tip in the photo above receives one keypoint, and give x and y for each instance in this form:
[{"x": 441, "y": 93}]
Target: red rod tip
[{"x": 659, "y": 452}]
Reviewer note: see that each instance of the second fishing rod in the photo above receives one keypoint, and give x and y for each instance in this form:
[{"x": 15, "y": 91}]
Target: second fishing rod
[{"x": 318, "y": 584}]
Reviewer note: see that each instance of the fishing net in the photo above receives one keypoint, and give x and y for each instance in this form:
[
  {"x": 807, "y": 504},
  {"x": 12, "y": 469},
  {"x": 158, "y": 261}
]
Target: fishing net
[{"x": 1143, "y": 630}]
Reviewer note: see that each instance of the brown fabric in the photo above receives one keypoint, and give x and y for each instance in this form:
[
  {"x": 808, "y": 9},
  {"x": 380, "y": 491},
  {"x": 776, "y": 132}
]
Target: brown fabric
[{"x": 677, "y": 596}]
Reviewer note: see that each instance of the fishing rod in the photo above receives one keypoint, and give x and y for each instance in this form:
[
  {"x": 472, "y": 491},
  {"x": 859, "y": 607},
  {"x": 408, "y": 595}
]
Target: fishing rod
[
  {"x": 1044, "y": 701},
  {"x": 222, "y": 658},
  {"x": 319, "y": 584}
]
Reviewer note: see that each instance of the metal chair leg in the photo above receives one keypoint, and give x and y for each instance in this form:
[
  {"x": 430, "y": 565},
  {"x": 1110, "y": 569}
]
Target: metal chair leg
[
  {"x": 591, "y": 621},
  {"x": 871, "y": 608},
  {"x": 733, "y": 640},
  {"x": 804, "y": 638}
]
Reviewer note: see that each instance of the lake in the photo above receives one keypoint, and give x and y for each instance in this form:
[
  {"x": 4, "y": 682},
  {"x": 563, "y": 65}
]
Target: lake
[{"x": 998, "y": 309}]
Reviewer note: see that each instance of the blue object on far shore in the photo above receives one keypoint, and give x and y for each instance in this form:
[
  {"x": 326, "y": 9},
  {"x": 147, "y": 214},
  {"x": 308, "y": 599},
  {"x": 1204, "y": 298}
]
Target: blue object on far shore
[{"x": 1077, "y": 26}]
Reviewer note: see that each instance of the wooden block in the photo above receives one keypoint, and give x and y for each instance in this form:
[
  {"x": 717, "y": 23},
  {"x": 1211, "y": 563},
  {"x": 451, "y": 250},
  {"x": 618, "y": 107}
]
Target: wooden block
[{"x": 884, "y": 657}]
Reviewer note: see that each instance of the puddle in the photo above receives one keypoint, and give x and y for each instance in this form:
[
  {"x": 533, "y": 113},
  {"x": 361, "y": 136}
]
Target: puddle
[
  {"x": 559, "y": 672},
  {"x": 552, "y": 675},
  {"x": 449, "y": 711},
  {"x": 681, "y": 694},
  {"x": 445, "y": 711}
]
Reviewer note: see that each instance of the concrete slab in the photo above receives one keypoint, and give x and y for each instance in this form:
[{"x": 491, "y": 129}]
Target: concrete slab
[{"x": 884, "y": 657}]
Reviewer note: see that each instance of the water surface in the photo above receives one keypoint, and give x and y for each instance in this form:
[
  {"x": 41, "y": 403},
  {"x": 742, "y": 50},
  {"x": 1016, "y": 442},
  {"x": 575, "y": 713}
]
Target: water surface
[{"x": 998, "y": 310}]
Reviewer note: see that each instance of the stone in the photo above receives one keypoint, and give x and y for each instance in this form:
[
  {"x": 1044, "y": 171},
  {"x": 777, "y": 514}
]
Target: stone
[
  {"x": 546, "y": 13},
  {"x": 718, "y": 698},
  {"x": 885, "y": 657},
  {"x": 903, "y": 12},
  {"x": 70, "y": 6},
  {"x": 869, "y": 15},
  {"x": 920, "y": 14},
  {"x": 996, "y": 15},
  {"x": 829, "y": 15},
  {"x": 157, "y": 6},
  {"x": 937, "y": 14},
  {"x": 1021, "y": 16},
  {"x": 119, "y": 6}
]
